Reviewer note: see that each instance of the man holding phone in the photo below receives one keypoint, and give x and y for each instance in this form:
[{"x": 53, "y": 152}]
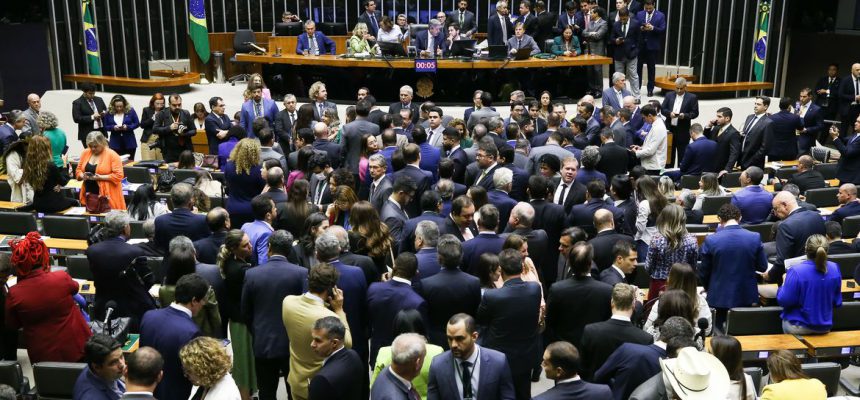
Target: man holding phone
[
  {"x": 87, "y": 112},
  {"x": 172, "y": 127}
]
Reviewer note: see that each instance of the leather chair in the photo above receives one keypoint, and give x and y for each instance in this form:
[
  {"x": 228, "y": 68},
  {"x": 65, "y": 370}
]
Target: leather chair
[
  {"x": 137, "y": 230},
  {"x": 851, "y": 226},
  {"x": 56, "y": 380},
  {"x": 183, "y": 174},
  {"x": 731, "y": 179},
  {"x": 78, "y": 267},
  {"x": 216, "y": 201},
  {"x": 11, "y": 374},
  {"x": 786, "y": 172},
  {"x": 17, "y": 223},
  {"x": 755, "y": 373},
  {"x": 712, "y": 204},
  {"x": 5, "y": 191},
  {"x": 846, "y": 262},
  {"x": 825, "y": 197},
  {"x": 640, "y": 277},
  {"x": 743, "y": 321},
  {"x": 137, "y": 175},
  {"x": 547, "y": 45},
  {"x": 826, "y": 170},
  {"x": 165, "y": 197},
  {"x": 241, "y": 37},
  {"x": 690, "y": 182},
  {"x": 332, "y": 28},
  {"x": 826, "y": 372},
  {"x": 698, "y": 228},
  {"x": 847, "y": 317},
  {"x": 66, "y": 227},
  {"x": 156, "y": 265},
  {"x": 764, "y": 229}
]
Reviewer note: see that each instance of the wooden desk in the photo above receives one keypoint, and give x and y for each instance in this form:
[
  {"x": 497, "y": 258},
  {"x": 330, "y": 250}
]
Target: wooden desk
[
  {"x": 789, "y": 163},
  {"x": 132, "y": 344},
  {"x": 850, "y": 289},
  {"x": 172, "y": 79},
  {"x": 404, "y": 63},
  {"x": 833, "y": 344},
  {"x": 61, "y": 244},
  {"x": 668, "y": 83},
  {"x": 758, "y": 347},
  {"x": 10, "y": 205}
]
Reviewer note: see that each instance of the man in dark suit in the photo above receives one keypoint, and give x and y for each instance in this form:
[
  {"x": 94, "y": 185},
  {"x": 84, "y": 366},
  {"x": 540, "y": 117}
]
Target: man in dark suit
[
  {"x": 486, "y": 241},
  {"x": 319, "y": 94},
  {"x": 632, "y": 364},
  {"x": 284, "y": 121},
  {"x": 623, "y": 264},
  {"x": 381, "y": 184},
  {"x": 849, "y": 206},
  {"x": 653, "y": 27},
  {"x": 849, "y": 99},
  {"x": 425, "y": 239},
  {"x": 174, "y": 127},
  {"x": 520, "y": 223},
  {"x": 756, "y": 132},
  {"x": 465, "y": 18},
  {"x": 88, "y": 112},
  {"x": 577, "y": 301},
  {"x": 407, "y": 357},
  {"x": 603, "y": 243},
  {"x": 583, "y": 215},
  {"x": 568, "y": 191},
  {"x": 785, "y": 125},
  {"x": 422, "y": 179},
  {"x": 520, "y": 178},
  {"x": 806, "y": 177},
  {"x": 371, "y": 274},
  {"x": 460, "y": 221},
  {"x": 500, "y": 197},
  {"x": 337, "y": 379},
  {"x": 431, "y": 204},
  {"x": 613, "y": 157},
  {"x": 601, "y": 339},
  {"x": 451, "y": 150},
  {"x": 728, "y": 140},
  {"x": 486, "y": 161},
  {"x": 429, "y": 42},
  {"x": 350, "y": 144},
  {"x": 526, "y": 18},
  {"x": 680, "y": 107},
  {"x": 624, "y": 35},
  {"x": 386, "y": 299},
  {"x": 699, "y": 156},
  {"x": 321, "y": 143},
  {"x": 797, "y": 225},
  {"x": 405, "y": 102},
  {"x": 142, "y": 374},
  {"x": 827, "y": 94},
  {"x": 218, "y": 123},
  {"x": 182, "y": 221},
  {"x": 549, "y": 217},
  {"x": 511, "y": 315},
  {"x": 562, "y": 363},
  {"x": 370, "y": 17},
  {"x": 731, "y": 259},
  {"x": 168, "y": 329},
  {"x": 100, "y": 378},
  {"x": 813, "y": 121},
  {"x": 834, "y": 239},
  {"x": 545, "y": 25},
  {"x": 499, "y": 26},
  {"x": 262, "y": 296},
  {"x": 318, "y": 44},
  {"x": 451, "y": 373},
  {"x": 848, "y": 168}
]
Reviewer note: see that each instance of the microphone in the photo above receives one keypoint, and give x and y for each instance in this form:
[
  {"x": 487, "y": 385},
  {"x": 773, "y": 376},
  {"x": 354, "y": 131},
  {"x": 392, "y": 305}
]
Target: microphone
[
  {"x": 173, "y": 72},
  {"x": 703, "y": 327},
  {"x": 111, "y": 306},
  {"x": 255, "y": 47}
]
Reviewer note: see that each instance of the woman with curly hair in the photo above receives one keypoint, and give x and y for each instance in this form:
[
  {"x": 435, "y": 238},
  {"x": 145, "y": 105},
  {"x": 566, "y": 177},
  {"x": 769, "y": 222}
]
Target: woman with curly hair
[
  {"x": 46, "y": 179},
  {"x": 207, "y": 365},
  {"x": 343, "y": 198},
  {"x": 48, "y": 124},
  {"x": 369, "y": 236},
  {"x": 121, "y": 122},
  {"x": 41, "y": 303},
  {"x": 314, "y": 225},
  {"x": 465, "y": 136},
  {"x": 242, "y": 174},
  {"x": 233, "y": 262}
]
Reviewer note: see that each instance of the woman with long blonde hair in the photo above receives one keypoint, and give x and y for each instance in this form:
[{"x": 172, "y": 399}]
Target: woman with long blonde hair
[
  {"x": 45, "y": 178},
  {"x": 244, "y": 181},
  {"x": 369, "y": 236},
  {"x": 672, "y": 244},
  {"x": 358, "y": 41}
]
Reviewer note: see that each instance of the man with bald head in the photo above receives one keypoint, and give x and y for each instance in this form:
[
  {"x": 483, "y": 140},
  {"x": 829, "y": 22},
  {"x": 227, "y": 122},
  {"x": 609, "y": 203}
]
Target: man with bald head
[
  {"x": 849, "y": 99},
  {"x": 753, "y": 201},
  {"x": 604, "y": 242},
  {"x": 806, "y": 177},
  {"x": 636, "y": 122},
  {"x": 848, "y": 204},
  {"x": 797, "y": 225},
  {"x": 321, "y": 143}
]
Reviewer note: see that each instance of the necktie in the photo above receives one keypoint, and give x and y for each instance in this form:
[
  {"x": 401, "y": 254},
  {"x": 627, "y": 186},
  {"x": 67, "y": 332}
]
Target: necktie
[
  {"x": 373, "y": 21},
  {"x": 519, "y": 43},
  {"x": 648, "y": 18},
  {"x": 430, "y": 43},
  {"x": 314, "y": 49},
  {"x": 803, "y": 111},
  {"x": 413, "y": 394},
  {"x": 587, "y": 21},
  {"x": 480, "y": 178},
  {"x": 570, "y": 21},
  {"x": 856, "y": 87},
  {"x": 467, "y": 234},
  {"x": 720, "y": 131},
  {"x": 95, "y": 121},
  {"x": 461, "y": 19},
  {"x": 563, "y": 194},
  {"x": 372, "y": 189},
  {"x": 504, "y": 27},
  {"x": 259, "y": 109},
  {"x": 467, "y": 379},
  {"x": 322, "y": 111},
  {"x": 292, "y": 119}
]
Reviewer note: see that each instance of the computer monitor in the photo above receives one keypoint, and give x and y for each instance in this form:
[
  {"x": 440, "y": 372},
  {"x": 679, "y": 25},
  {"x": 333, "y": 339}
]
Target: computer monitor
[
  {"x": 497, "y": 51},
  {"x": 523, "y": 54},
  {"x": 288, "y": 29},
  {"x": 390, "y": 49},
  {"x": 463, "y": 48}
]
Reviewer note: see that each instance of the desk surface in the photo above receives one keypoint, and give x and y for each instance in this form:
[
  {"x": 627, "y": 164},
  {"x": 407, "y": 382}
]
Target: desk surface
[
  {"x": 834, "y": 339},
  {"x": 762, "y": 343},
  {"x": 10, "y": 205},
  {"x": 402, "y": 63},
  {"x": 61, "y": 244}
]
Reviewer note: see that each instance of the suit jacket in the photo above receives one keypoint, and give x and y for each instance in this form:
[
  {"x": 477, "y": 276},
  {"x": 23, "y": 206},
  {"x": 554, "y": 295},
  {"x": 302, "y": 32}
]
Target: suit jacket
[
  {"x": 813, "y": 120},
  {"x": 849, "y": 209},
  {"x": 791, "y": 235},
  {"x": 180, "y": 222},
  {"x": 212, "y": 274},
  {"x": 423, "y": 180},
  {"x": 728, "y": 147},
  {"x": 754, "y": 143},
  {"x": 596, "y": 35},
  {"x": 388, "y": 387},
  {"x": 384, "y": 301},
  {"x": 504, "y": 203},
  {"x": 610, "y": 98},
  {"x": 350, "y": 142},
  {"x": 430, "y": 157},
  {"x": 601, "y": 339},
  {"x": 172, "y": 142},
  {"x": 551, "y": 218},
  {"x": 395, "y": 108},
  {"x": 782, "y": 145},
  {"x": 82, "y": 114},
  {"x": 422, "y": 40},
  {"x": 477, "y": 115},
  {"x": 529, "y": 22},
  {"x": 332, "y": 149},
  {"x": 495, "y": 35},
  {"x": 326, "y": 105},
  {"x": 122, "y": 138},
  {"x": 613, "y": 160},
  {"x": 848, "y": 167},
  {"x": 629, "y": 49},
  {"x": 831, "y": 99},
  {"x": 690, "y": 109},
  {"x": 524, "y": 43},
  {"x": 628, "y": 367},
  {"x": 652, "y": 40},
  {"x": 207, "y": 248},
  {"x": 91, "y": 386},
  {"x": 573, "y": 303},
  {"x": 395, "y": 217},
  {"x": 167, "y": 330},
  {"x": 612, "y": 277},
  {"x": 482, "y": 243},
  {"x": 582, "y": 215},
  {"x": 699, "y": 157},
  {"x": 324, "y": 44},
  {"x": 337, "y": 378},
  {"x": 354, "y": 286},
  {"x": 730, "y": 259},
  {"x": 372, "y": 29},
  {"x": 576, "y": 390},
  {"x": 213, "y": 123},
  {"x": 603, "y": 244},
  {"x": 407, "y": 236},
  {"x": 754, "y": 202},
  {"x": 468, "y": 27},
  {"x": 533, "y": 165},
  {"x": 263, "y": 292},
  {"x": 284, "y": 128},
  {"x": 108, "y": 261},
  {"x": 806, "y": 180},
  {"x": 461, "y": 160},
  {"x": 258, "y": 232},
  {"x": 846, "y": 95},
  {"x": 381, "y": 193},
  {"x": 544, "y": 30},
  {"x": 249, "y": 114},
  {"x": 428, "y": 265},
  {"x": 511, "y": 314},
  {"x": 448, "y": 292},
  {"x": 494, "y": 381}
]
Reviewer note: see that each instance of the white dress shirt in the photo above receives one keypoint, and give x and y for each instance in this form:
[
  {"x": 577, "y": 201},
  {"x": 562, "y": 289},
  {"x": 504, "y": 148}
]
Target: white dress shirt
[{"x": 676, "y": 108}]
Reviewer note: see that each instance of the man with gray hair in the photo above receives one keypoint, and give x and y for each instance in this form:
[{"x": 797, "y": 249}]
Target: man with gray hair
[
  {"x": 500, "y": 195},
  {"x": 680, "y": 108},
  {"x": 405, "y": 103},
  {"x": 614, "y": 94},
  {"x": 518, "y": 95},
  {"x": 632, "y": 364},
  {"x": 381, "y": 184},
  {"x": 407, "y": 357},
  {"x": 182, "y": 221},
  {"x": 499, "y": 26},
  {"x": 119, "y": 273},
  {"x": 426, "y": 238},
  {"x": 371, "y": 274},
  {"x": 429, "y": 43}
]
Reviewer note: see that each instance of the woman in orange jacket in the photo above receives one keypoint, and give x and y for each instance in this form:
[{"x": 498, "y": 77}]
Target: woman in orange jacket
[{"x": 101, "y": 170}]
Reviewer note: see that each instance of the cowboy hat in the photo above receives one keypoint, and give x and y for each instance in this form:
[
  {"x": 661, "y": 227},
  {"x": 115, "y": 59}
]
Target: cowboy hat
[{"x": 696, "y": 375}]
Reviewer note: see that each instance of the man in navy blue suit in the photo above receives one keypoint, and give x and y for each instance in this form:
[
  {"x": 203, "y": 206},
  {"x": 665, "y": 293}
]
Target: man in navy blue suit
[
  {"x": 431, "y": 205},
  {"x": 511, "y": 314},
  {"x": 319, "y": 43},
  {"x": 460, "y": 222},
  {"x": 370, "y": 17},
  {"x": 625, "y": 36},
  {"x": 813, "y": 121},
  {"x": 562, "y": 363},
  {"x": 848, "y": 168},
  {"x": 100, "y": 379},
  {"x": 262, "y": 296},
  {"x": 753, "y": 201},
  {"x": 499, "y": 26},
  {"x": 423, "y": 179},
  {"x": 582, "y": 215},
  {"x": 451, "y": 150},
  {"x": 699, "y": 157},
  {"x": 337, "y": 379},
  {"x": 849, "y": 99},
  {"x": 653, "y": 27},
  {"x": 680, "y": 107},
  {"x": 430, "y": 155},
  {"x": 606, "y": 253},
  {"x": 207, "y": 248},
  {"x": 386, "y": 299},
  {"x": 782, "y": 145},
  {"x": 451, "y": 373},
  {"x": 168, "y": 329},
  {"x": 486, "y": 241},
  {"x": 425, "y": 240},
  {"x": 182, "y": 221},
  {"x": 393, "y": 212},
  {"x": 848, "y": 203},
  {"x": 407, "y": 358},
  {"x": 257, "y": 107},
  {"x": 429, "y": 43},
  {"x": 323, "y": 144},
  {"x": 798, "y": 225},
  {"x": 730, "y": 260},
  {"x": 500, "y": 197}
]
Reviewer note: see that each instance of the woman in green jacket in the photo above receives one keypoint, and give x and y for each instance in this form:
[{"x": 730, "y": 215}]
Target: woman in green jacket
[{"x": 567, "y": 44}]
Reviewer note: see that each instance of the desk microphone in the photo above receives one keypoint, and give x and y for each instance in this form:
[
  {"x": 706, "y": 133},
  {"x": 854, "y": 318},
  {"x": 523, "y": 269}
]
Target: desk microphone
[
  {"x": 255, "y": 47},
  {"x": 111, "y": 307},
  {"x": 173, "y": 72},
  {"x": 703, "y": 327}
]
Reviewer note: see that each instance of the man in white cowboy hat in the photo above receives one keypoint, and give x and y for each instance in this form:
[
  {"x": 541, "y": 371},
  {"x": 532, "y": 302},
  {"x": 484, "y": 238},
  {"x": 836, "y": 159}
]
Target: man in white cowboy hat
[{"x": 695, "y": 375}]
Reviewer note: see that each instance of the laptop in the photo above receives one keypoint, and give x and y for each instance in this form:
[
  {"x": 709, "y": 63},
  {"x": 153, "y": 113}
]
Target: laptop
[
  {"x": 523, "y": 54},
  {"x": 463, "y": 48},
  {"x": 391, "y": 49},
  {"x": 497, "y": 52}
]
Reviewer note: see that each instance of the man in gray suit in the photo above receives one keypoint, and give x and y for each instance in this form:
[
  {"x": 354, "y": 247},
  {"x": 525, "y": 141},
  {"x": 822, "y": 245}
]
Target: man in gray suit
[
  {"x": 435, "y": 127},
  {"x": 609, "y": 116},
  {"x": 350, "y": 147},
  {"x": 267, "y": 151},
  {"x": 407, "y": 358},
  {"x": 596, "y": 34},
  {"x": 142, "y": 374},
  {"x": 380, "y": 186},
  {"x": 32, "y": 115},
  {"x": 486, "y": 111}
]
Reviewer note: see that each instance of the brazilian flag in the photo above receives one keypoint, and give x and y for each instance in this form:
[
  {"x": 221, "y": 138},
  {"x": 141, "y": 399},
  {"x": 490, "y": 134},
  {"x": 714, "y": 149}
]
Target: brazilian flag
[
  {"x": 91, "y": 40},
  {"x": 197, "y": 29},
  {"x": 760, "y": 47}
]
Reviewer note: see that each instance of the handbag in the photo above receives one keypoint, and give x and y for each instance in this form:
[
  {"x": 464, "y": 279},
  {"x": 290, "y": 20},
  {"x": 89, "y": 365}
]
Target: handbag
[
  {"x": 117, "y": 328},
  {"x": 209, "y": 161},
  {"x": 96, "y": 204},
  {"x": 166, "y": 179}
]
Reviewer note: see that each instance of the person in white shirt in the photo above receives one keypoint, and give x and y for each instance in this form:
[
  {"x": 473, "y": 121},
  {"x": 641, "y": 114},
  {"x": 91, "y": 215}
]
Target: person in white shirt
[
  {"x": 389, "y": 32},
  {"x": 652, "y": 153}
]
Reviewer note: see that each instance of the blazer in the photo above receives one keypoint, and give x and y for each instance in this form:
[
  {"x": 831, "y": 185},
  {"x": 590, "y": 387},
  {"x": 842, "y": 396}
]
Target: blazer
[
  {"x": 791, "y": 235},
  {"x": 504, "y": 203},
  {"x": 326, "y": 105},
  {"x": 108, "y": 260},
  {"x": 90, "y": 386},
  {"x": 576, "y": 390},
  {"x": 451, "y": 227},
  {"x": 551, "y": 218},
  {"x": 122, "y": 139},
  {"x": 629, "y": 48},
  {"x": 448, "y": 292},
  {"x": 430, "y": 156},
  {"x": 208, "y": 247},
  {"x": 613, "y": 160},
  {"x": 728, "y": 147},
  {"x": 754, "y": 203},
  {"x": 388, "y": 387},
  {"x": 350, "y": 141},
  {"x": 533, "y": 166},
  {"x": 172, "y": 142},
  {"x": 243, "y": 188},
  {"x": 612, "y": 277},
  {"x": 610, "y": 99},
  {"x": 461, "y": 160},
  {"x": 699, "y": 157},
  {"x": 846, "y": 210},
  {"x": 495, "y": 35},
  {"x": 511, "y": 315},
  {"x": 395, "y": 217},
  {"x": 652, "y": 41},
  {"x": 109, "y": 164},
  {"x": 596, "y": 35},
  {"x": 258, "y": 232},
  {"x": 337, "y": 378},
  {"x": 846, "y": 94},
  {"x": 813, "y": 120},
  {"x": 573, "y": 303},
  {"x": 582, "y": 215},
  {"x": 468, "y": 27},
  {"x": 628, "y": 367},
  {"x": 213, "y": 123},
  {"x": 782, "y": 145},
  {"x": 423, "y": 180},
  {"x": 249, "y": 114},
  {"x": 848, "y": 167},
  {"x": 525, "y": 42},
  {"x": 559, "y": 47},
  {"x": 82, "y": 114},
  {"x": 730, "y": 259},
  {"x": 422, "y": 40},
  {"x": 45, "y": 199},
  {"x": 372, "y": 29},
  {"x": 428, "y": 265},
  {"x": 690, "y": 109},
  {"x": 263, "y": 292},
  {"x": 482, "y": 243},
  {"x": 601, "y": 339},
  {"x": 394, "y": 108},
  {"x": 754, "y": 143},
  {"x": 299, "y": 314},
  {"x": 529, "y": 22},
  {"x": 831, "y": 99},
  {"x": 167, "y": 330},
  {"x": 147, "y": 122},
  {"x": 324, "y": 44},
  {"x": 486, "y": 112},
  {"x": 180, "y": 222},
  {"x": 381, "y": 193},
  {"x": 354, "y": 286},
  {"x": 494, "y": 381},
  {"x": 384, "y": 301},
  {"x": 603, "y": 244},
  {"x": 407, "y": 237},
  {"x": 212, "y": 274}
]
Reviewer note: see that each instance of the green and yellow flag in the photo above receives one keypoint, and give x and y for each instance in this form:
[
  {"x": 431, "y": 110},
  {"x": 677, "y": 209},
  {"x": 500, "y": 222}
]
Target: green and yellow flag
[
  {"x": 91, "y": 40},
  {"x": 760, "y": 46},
  {"x": 197, "y": 29}
]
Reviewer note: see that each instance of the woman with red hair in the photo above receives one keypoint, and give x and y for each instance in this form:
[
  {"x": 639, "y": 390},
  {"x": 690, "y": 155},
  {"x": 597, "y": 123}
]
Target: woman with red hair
[{"x": 41, "y": 303}]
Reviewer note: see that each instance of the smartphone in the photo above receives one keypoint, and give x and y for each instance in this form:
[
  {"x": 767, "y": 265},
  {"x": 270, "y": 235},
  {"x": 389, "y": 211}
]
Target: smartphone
[
  {"x": 850, "y": 284},
  {"x": 85, "y": 287},
  {"x": 331, "y": 293}
]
